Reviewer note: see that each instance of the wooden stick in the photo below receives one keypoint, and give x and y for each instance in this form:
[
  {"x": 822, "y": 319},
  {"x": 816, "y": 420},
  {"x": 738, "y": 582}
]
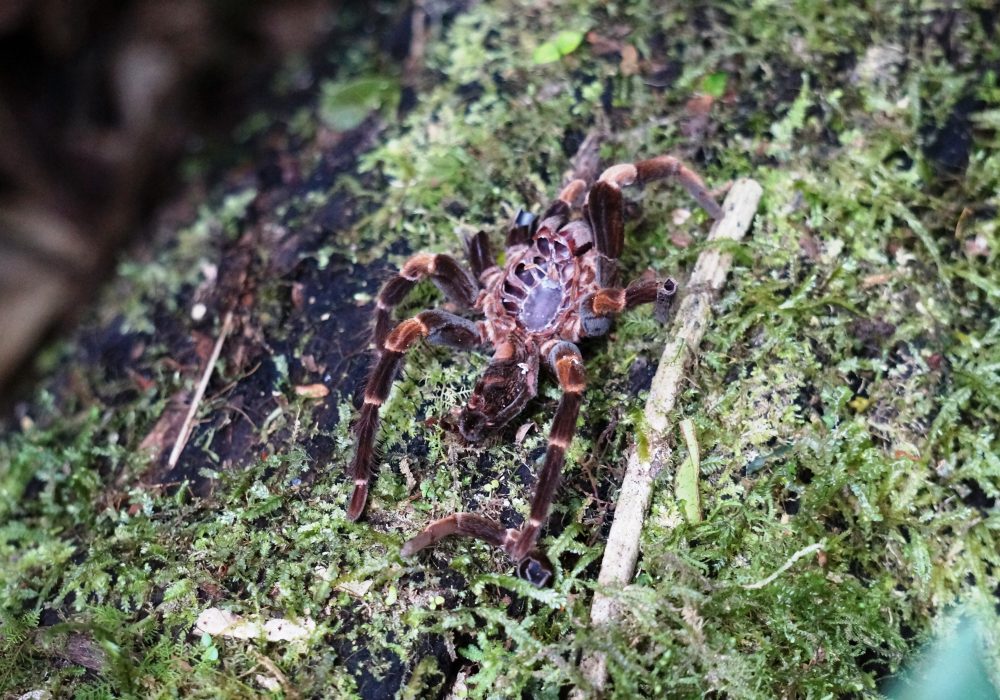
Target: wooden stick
[
  {"x": 185, "y": 433},
  {"x": 622, "y": 550}
]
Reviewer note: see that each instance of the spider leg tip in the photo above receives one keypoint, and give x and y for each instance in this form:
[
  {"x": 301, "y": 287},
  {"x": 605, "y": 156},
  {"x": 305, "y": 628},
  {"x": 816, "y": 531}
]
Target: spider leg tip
[
  {"x": 358, "y": 500},
  {"x": 536, "y": 569}
]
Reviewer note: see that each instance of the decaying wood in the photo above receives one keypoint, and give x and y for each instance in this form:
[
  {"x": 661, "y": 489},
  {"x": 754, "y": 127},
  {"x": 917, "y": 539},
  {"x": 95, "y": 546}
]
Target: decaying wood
[{"x": 622, "y": 550}]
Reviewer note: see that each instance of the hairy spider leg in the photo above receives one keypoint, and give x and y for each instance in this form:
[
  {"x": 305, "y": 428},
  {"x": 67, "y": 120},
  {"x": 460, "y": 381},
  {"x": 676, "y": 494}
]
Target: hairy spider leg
[
  {"x": 562, "y": 205},
  {"x": 521, "y": 545},
  {"x": 557, "y": 214},
  {"x": 464, "y": 525},
  {"x": 597, "y": 308},
  {"x": 443, "y": 270},
  {"x": 439, "y": 328},
  {"x": 534, "y": 567},
  {"x": 645, "y": 171},
  {"x": 605, "y": 205},
  {"x": 480, "y": 255},
  {"x": 566, "y": 361}
]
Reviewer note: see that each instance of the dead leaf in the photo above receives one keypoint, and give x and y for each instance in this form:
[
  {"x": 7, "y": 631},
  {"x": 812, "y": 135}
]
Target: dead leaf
[
  {"x": 312, "y": 391},
  {"x": 522, "y": 432},
  {"x": 681, "y": 239},
  {"x": 298, "y": 295},
  {"x": 875, "y": 280},
  {"x": 977, "y": 246},
  {"x": 358, "y": 589},
  {"x": 310, "y": 364},
  {"x": 811, "y": 247},
  {"x": 602, "y": 45},
  {"x": 219, "y": 622},
  {"x": 164, "y": 432},
  {"x": 141, "y": 382},
  {"x": 699, "y": 105},
  {"x": 629, "y": 64},
  {"x": 41, "y": 694},
  {"x": 696, "y": 124},
  {"x": 203, "y": 344},
  {"x": 680, "y": 215}
]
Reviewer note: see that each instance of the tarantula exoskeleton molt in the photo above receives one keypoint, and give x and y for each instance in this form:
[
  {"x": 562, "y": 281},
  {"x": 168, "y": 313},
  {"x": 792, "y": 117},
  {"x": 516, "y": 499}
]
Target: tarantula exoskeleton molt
[{"x": 559, "y": 285}]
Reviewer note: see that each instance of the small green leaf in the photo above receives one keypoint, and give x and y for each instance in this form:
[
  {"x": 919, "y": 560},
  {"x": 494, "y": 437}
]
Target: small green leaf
[
  {"x": 568, "y": 41},
  {"x": 562, "y": 44},
  {"x": 546, "y": 53},
  {"x": 344, "y": 105},
  {"x": 714, "y": 84},
  {"x": 686, "y": 487}
]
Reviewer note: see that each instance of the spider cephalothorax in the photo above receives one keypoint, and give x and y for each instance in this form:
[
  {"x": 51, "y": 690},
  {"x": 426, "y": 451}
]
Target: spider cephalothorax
[{"x": 558, "y": 286}]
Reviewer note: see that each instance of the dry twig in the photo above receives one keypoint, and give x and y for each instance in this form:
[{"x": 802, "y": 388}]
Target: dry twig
[
  {"x": 206, "y": 376},
  {"x": 622, "y": 550}
]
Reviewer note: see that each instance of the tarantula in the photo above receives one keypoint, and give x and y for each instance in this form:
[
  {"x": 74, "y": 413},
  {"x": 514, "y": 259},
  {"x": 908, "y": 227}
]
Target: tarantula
[{"x": 558, "y": 286}]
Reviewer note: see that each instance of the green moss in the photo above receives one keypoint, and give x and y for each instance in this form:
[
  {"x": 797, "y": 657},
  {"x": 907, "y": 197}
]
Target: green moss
[{"x": 877, "y": 441}]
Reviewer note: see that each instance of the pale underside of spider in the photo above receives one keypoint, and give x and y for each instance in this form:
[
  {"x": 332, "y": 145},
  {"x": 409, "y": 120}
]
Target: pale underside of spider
[{"x": 558, "y": 286}]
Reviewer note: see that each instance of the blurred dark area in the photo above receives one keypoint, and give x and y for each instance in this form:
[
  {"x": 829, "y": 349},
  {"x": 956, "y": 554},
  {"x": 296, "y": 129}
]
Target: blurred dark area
[{"x": 99, "y": 100}]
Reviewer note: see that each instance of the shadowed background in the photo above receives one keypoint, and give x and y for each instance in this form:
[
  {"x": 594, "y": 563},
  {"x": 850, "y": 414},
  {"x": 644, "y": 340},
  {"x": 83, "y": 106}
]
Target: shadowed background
[{"x": 98, "y": 101}]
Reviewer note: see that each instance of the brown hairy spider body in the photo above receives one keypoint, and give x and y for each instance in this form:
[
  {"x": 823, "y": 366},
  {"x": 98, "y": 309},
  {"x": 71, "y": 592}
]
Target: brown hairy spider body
[{"x": 558, "y": 286}]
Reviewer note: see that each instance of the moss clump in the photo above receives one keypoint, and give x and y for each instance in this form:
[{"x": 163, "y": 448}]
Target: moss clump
[{"x": 846, "y": 395}]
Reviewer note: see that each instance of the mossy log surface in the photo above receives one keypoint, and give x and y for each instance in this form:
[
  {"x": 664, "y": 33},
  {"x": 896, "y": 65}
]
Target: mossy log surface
[{"x": 845, "y": 395}]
